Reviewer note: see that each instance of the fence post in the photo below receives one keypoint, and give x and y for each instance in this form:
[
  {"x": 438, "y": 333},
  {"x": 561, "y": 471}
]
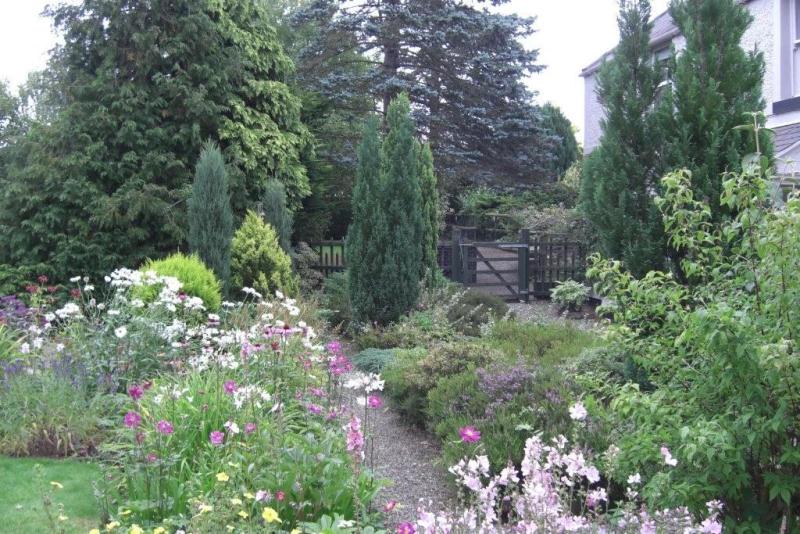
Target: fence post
[
  {"x": 523, "y": 257},
  {"x": 455, "y": 256}
]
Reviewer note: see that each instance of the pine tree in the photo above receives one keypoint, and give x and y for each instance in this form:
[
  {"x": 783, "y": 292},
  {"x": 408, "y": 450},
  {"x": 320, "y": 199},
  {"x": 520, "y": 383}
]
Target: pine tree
[
  {"x": 209, "y": 213},
  {"x": 715, "y": 85},
  {"x": 139, "y": 86},
  {"x": 565, "y": 151},
  {"x": 430, "y": 211},
  {"x": 276, "y": 213},
  {"x": 365, "y": 246},
  {"x": 463, "y": 67},
  {"x": 621, "y": 176},
  {"x": 403, "y": 210}
]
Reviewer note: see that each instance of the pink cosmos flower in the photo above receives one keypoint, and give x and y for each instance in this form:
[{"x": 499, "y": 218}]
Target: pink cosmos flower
[
  {"x": 406, "y": 528},
  {"x": 216, "y": 437},
  {"x": 132, "y": 419},
  {"x": 165, "y": 427},
  {"x": 249, "y": 428},
  {"x": 229, "y": 387},
  {"x": 373, "y": 401},
  {"x": 469, "y": 434},
  {"x": 136, "y": 392}
]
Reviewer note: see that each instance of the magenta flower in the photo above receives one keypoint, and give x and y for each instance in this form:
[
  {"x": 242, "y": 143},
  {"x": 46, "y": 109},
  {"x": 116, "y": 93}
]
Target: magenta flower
[
  {"x": 132, "y": 419},
  {"x": 216, "y": 438},
  {"x": 373, "y": 401},
  {"x": 136, "y": 392},
  {"x": 165, "y": 427},
  {"x": 469, "y": 434},
  {"x": 280, "y": 496},
  {"x": 406, "y": 528},
  {"x": 229, "y": 387},
  {"x": 355, "y": 438},
  {"x": 389, "y": 506},
  {"x": 315, "y": 409},
  {"x": 152, "y": 457},
  {"x": 249, "y": 428}
]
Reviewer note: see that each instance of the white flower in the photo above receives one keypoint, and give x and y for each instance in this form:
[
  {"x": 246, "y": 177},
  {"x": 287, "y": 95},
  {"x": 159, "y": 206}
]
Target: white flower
[
  {"x": 60, "y": 347},
  {"x": 101, "y": 306},
  {"x": 137, "y": 303},
  {"x": 113, "y": 312},
  {"x": 668, "y": 459},
  {"x": 577, "y": 411},
  {"x": 232, "y": 427},
  {"x": 345, "y": 523},
  {"x": 107, "y": 279},
  {"x": 25, "y": 348},
  {"x": 121, "y": 332},
  {"x": 88, "y": 288},
  {"x": 37, "y": 343},
  {"x": 279, "y": 295},
  {"x": 634, "y": 479},
  {"x": 75, "y": 279},
  {"x": 49, "y": 317}
]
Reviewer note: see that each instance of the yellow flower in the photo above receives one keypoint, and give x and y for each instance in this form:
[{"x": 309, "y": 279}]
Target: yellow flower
[
  {"x": 229, "y": 527},
  {"x": 295, "y": 531},
  {"x": 94, "y": 531},
  {"x": 270, "y": 515},
  {"x": 159, "y": 530},
  {"x": 111, "y": 526},
  {"x": 206, "y": 508},
  {"x": 55, "y": 484},
  {"x": 248, "y": 495},
  {"x": 223, "y": 477},
  {"x": 243, "y": 514},
  {"x": 136, "y": 529},
  {"x": 236, "y": 502},
  {"x": 126, "y": 512},
  {"x": 62, "y": 517}
]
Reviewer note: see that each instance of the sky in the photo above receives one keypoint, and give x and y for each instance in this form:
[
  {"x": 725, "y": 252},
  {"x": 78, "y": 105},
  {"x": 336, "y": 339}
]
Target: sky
[{"x": 570, "y": 35}]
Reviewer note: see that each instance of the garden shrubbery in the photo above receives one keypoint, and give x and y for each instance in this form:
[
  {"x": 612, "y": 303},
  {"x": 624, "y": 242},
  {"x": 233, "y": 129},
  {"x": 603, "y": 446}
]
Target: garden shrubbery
[{"x": 195, "y": 278}]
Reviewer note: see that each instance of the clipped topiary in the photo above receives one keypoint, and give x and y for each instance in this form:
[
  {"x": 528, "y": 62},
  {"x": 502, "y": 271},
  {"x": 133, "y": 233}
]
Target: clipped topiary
[
  {"x": 196, "y": 279},
  {"x": 257, "y": 259}
]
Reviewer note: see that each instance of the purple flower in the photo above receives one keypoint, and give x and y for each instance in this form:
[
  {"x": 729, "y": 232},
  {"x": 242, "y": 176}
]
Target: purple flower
[
  {"x": 229, "y": 387},
  {"x": 373, "y": 401},
  {"x": 165, "y": 427},
  {"x": 249, "y": 428},
  {"x": 136, "y": 392},
  {"x": 152, "y": 457},
  {"x": 469, "y": 434},
  {"x": 355, "y": 439},
  {"x": 216, "y": 437},
  {"x": 315, "y": 409},
  {"x": 406, "y": 528},
  {"x": 132, "y": 419}
]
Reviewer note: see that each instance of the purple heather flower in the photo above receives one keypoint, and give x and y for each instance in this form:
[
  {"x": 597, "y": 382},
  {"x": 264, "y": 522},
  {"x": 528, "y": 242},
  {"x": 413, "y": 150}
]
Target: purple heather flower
[
  {"x": 373, "y": 401},
  {"x": 315, "y": 409},
  {"x": 229, "y": 387},
  {"x": 216, "y": 437},
  {"x": 249, "y": 428},
  {"x": 469, "y": 434},
  {"x": 136, "y": 392},
  {"x": 165, "y": 427},
  {"x": 132, "y": 419}
]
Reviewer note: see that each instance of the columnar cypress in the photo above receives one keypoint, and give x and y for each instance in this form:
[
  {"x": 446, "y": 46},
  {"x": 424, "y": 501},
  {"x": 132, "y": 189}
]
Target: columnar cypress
[
  {"x": 430, "y": 210},
  {"x": 403, "y": 211},
  {"x": 276, "y": 213},
  {"x": 366, "y": 235},
  {"x": 209, "y": 213},
  {"x": 621, "y": 176},
  {"x": 716, "y": 84}
]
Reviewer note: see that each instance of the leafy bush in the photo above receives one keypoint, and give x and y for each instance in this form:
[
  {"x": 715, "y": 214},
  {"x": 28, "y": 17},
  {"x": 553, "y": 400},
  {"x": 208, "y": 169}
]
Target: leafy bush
[
  {"x": 416, "y": 329},
  {"x": 277, "y": 214},
  {"x": 373, "y": 360},
  {"x": 543, "y": 344},
  {"x": 303, "y": 261},
  {"x": 336, "y": 300},
  {"x": 47, "y": 409},
  {"x": 257, "y": 259},
  {"x": 720, "y": 354},
  {"x": 474, "y": 309},
  {"x": 570, "y": 294},
  {"x": 196, "y": 279}
]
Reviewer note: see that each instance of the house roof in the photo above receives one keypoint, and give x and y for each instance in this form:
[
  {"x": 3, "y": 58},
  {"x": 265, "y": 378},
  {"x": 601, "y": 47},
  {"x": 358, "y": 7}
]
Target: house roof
[
  {"x": 786, "y": 137},
  {"x": 662, "y": 32}
]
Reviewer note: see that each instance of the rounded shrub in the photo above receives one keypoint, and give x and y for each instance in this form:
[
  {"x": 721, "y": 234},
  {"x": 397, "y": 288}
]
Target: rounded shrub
[
  {"x": 257, "y": 259},
  {"x": 196, "y": 279},
  {"x": 373, "y": 360},
  {"x": 474, "y": 309}
]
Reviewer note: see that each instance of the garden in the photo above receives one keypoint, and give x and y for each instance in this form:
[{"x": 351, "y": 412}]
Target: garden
[{"x": 176, "y": 357}]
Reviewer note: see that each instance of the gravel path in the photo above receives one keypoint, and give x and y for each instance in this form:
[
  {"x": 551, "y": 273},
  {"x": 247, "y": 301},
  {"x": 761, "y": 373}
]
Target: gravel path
[{"x": 544, "y": 311}]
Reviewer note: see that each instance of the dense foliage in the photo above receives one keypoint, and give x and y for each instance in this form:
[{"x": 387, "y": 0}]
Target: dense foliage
[
  {"x": 277, "y": 214},
  {"x": 565, "y": 150},
  {"x": 196, "y": 279},
  {"x": 719, "y": 354},
  {"x": 209, "y": 213},
  {"x": 257, "y": 259},
  {"x": 620, "y": 175},
  {"x": 468, "y": 86},
  {"x": 139, "y": 87}
]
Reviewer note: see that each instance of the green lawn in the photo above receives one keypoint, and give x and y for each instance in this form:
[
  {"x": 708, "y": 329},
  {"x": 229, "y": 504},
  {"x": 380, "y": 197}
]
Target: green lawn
[{"x": 21, "y": 508}]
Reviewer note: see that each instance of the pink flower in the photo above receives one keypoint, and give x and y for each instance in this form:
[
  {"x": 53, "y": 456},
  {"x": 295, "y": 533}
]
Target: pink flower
[
  {"x": 313, "y": 408},
  {"x": 668, "y": 459},
  {"x": 577, "y": 411},
  {"x": 355, "y": 439},
  {"x": 136, "y": 392},
  {"x": 165, "y": 427},
  {"x": 229, "y": 387},
  {"x": 262, "y": 496},
  {"x": 406, "y": 528},
  {"x": 389, "y": 506},
  {"x": 373, "y": 401},
  {"x": 249, "y": 428},
  {"x": 132, "y": 419},
  {"x": 280, "y": 496},
  {"x": 469, "y": 434},
  {"x": 216, "y": 437},
  {"x": 152, "y": 457}
]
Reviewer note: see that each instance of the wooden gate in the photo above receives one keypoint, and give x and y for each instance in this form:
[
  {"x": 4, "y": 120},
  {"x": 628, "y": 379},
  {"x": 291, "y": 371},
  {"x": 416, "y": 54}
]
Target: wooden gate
[
  {"x": 495, "y": 267},
  {"x": 554, "y": 258}
]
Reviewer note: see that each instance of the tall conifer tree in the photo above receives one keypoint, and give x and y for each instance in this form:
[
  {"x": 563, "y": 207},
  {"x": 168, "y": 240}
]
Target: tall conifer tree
[
  {"x": 621, "y": 176},
  {"x": 209, "y": 213},
  {"x": 430, "y": 210}
]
